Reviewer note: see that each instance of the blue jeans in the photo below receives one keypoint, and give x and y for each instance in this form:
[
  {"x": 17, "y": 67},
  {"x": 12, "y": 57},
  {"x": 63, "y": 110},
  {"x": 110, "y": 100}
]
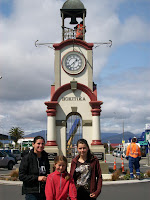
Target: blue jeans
[
  {"x": 35, "y": 197},
  {"x": 134, "y": 162}
]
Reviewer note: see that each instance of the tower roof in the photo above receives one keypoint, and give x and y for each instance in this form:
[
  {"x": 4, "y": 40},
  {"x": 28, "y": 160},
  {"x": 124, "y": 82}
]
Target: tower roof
[
  {"x": 73, "y": 4},
  {"x": 73, "y": 8}
]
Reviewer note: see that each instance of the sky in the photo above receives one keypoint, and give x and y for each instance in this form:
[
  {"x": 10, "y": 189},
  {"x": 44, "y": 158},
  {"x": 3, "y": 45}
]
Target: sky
[{"x": 121, "y": 72}]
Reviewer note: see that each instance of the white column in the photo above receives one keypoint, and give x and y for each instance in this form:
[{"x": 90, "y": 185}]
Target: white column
[
  {"x": 96, "y": 128},
  {"x": 51, "y": 128}
]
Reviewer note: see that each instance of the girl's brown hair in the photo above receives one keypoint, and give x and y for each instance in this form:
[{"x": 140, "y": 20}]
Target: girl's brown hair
[
  {"x": 37, "y": 138},
  {"x": 89, "y": 153},
  {"x": 62, "y": 158}
]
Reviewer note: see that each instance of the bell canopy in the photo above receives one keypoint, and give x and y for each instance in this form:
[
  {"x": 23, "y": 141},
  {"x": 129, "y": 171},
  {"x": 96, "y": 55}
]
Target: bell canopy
[{"x": 73, "y": 4}]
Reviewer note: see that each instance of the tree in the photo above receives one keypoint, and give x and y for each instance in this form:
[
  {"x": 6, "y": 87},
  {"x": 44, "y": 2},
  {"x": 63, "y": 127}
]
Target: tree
[
  {"x": 106, "y": 147},
  {"x": 17, "y": 133},
  {"x": 1, "y": 145}
]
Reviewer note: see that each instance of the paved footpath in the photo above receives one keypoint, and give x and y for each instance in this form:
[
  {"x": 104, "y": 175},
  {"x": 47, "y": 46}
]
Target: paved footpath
[
  {"x": 113, "y": 190},
  {"x": 137, "y": 191}
]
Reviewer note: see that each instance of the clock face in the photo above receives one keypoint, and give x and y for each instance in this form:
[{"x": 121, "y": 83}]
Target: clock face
[{"x": 73, "y": 62}]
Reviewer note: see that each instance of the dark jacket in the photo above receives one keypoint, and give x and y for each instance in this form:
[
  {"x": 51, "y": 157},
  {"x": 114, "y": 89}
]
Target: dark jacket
[
  {"x": 29, "y": 172},
  {"x": 96, "y": 176}
]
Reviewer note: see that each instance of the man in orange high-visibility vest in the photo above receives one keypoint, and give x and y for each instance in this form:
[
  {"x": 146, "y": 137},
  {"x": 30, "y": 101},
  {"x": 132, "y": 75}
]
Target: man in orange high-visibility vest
[
  {"x": 133, "y": 154},
  {"x": 79, "y": 31}
]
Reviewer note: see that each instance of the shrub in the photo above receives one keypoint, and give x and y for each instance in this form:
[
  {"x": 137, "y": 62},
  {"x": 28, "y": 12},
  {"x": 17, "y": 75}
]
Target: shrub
[
  {"x": 126, "y": 177},
  {"x": 128, "y": 172},
  {"x": 111, "y": 170},
  {"x": 15, "y": 173},
  {"x": 14, "y": 179},
  {"x": 115, "y": 175},
  {"x": 148, "y": 173},
  {"x": 141, "y": 175}
]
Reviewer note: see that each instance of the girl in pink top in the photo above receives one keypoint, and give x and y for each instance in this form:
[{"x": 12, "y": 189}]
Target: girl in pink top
[{"x": 60, "y": 185}]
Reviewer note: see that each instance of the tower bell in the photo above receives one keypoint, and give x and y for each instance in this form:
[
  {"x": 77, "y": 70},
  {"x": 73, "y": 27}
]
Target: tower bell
[{"x": 72, "y": 9}]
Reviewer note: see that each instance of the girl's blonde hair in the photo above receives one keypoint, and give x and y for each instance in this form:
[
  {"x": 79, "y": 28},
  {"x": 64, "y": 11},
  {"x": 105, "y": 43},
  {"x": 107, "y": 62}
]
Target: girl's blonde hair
[{"x": 62, "y": 158}]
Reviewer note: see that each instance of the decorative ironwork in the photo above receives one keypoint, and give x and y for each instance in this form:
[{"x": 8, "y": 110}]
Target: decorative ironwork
[
  {"x": 97, "y": 44},
  {"x": 69, "y": 33},
  {"x": 49, "y": 45}
]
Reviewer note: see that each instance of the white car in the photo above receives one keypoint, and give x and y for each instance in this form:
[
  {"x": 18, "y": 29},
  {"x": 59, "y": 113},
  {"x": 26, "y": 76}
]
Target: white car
[
  {"x": 114, "y": 152},
  {"x": 120, "y": 153}
]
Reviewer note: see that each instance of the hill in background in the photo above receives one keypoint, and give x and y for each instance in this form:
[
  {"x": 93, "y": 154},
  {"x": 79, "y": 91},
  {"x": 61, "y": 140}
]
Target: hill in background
[
  {"x": 117, "y": 138},
  {"x": 42, "y": 133},
  {"x": 105, "y": 137}
]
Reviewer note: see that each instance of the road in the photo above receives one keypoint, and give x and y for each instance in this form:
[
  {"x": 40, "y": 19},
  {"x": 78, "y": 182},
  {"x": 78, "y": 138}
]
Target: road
[
  {"x": 130, "y": 191},
  {"x": 109, "y": 161}
]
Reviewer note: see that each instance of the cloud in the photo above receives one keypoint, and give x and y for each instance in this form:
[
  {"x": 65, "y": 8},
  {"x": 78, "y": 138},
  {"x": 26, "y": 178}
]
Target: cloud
[
  {"x": 127, "y": 99},
  {"x": 28, "y": 71}
]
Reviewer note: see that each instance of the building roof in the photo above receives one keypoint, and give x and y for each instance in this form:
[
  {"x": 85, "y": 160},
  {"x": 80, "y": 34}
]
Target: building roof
[
  {"x": 6, "y": 137},
  {"x": 115, "y": 144}
]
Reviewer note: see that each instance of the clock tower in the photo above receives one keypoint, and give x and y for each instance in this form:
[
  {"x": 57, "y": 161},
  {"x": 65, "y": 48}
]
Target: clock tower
[{"x": 73, "y": 111}]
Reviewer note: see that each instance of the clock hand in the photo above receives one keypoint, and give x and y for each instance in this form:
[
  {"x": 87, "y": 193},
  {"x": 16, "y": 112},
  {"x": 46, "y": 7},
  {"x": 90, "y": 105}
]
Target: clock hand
[{"x": 74, "y": 62}]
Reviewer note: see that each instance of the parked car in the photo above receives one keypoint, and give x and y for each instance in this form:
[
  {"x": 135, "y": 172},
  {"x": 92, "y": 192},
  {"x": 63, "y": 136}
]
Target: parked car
[
  {"x": 123, "y": 153},
  {"x": 9, "y": 154},
  {"x": 114, "y": 152},
  {"x": 6, "y": 161},
  {"x": 15, "y": 152},
  {"x": 118, "y": 154}
]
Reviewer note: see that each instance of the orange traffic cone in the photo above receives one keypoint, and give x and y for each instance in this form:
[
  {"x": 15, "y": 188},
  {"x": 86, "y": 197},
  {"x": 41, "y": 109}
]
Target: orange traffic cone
[
  {"x": 114, "y": 164},
  {"x": 122, "y": 165}
]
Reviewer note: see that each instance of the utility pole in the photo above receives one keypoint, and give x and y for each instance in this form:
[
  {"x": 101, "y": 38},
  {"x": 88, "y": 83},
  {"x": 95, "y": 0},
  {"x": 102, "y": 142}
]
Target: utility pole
[
  {"x": 149, "y": 155},
  {"x": 123, "y": 130},
  {"x": 108, "y": 147},
  {"x": 123, "y": 141}
]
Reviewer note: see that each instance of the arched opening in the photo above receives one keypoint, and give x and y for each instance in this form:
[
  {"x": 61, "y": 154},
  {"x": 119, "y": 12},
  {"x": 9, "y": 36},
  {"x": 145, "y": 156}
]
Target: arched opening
[{"x": 73, "y": 133}]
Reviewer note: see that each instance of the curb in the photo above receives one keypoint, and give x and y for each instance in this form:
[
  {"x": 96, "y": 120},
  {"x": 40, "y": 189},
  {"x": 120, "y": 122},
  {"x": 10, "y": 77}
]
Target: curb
[
  {"x": 125, "y": 182},
  {"x": 19, "y": 183}
]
